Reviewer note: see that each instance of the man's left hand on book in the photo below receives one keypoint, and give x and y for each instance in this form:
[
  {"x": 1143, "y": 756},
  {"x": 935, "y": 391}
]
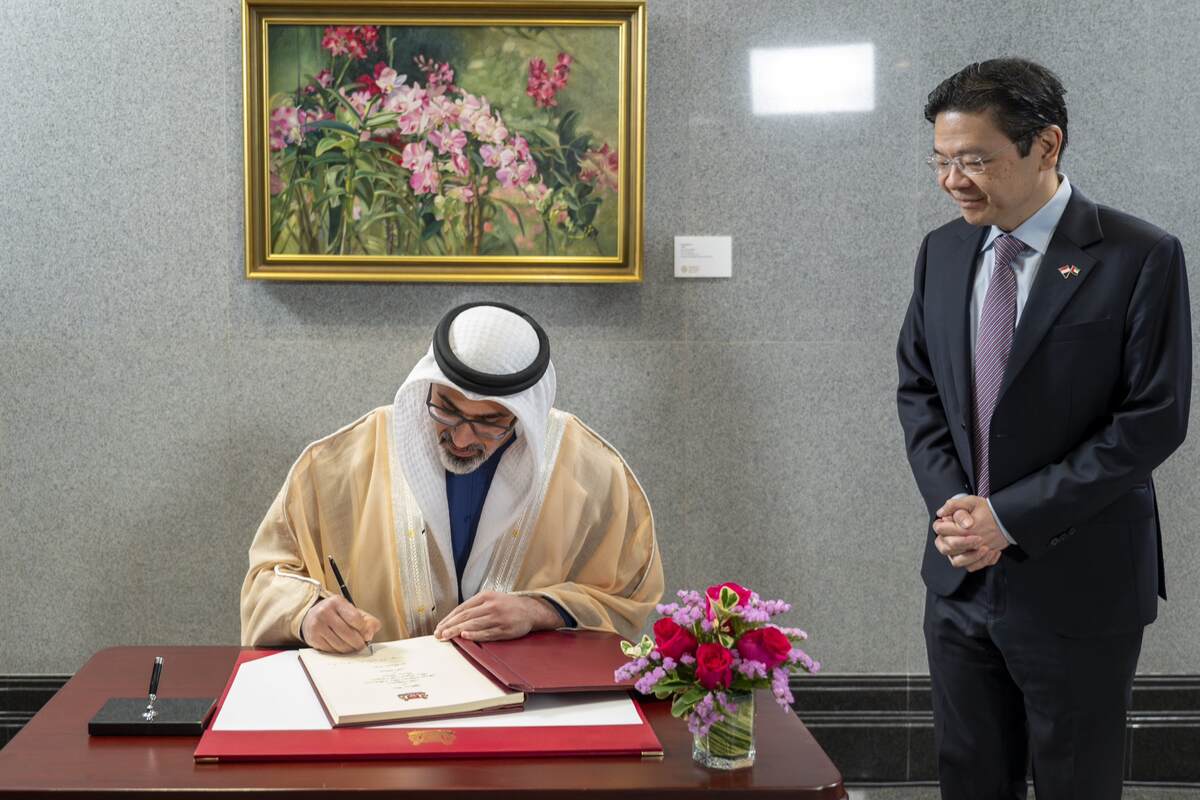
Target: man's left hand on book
[
  {"x": 490, "y": 616},
  {"x": 335, "y": 626}
]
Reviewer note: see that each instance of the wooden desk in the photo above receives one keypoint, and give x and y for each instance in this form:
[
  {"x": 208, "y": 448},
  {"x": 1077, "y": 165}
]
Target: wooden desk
[{"x": 54, "y": 754}]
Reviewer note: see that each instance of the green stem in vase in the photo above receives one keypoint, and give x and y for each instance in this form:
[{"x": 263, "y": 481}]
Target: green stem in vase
[{"x": 733, "y": 736}]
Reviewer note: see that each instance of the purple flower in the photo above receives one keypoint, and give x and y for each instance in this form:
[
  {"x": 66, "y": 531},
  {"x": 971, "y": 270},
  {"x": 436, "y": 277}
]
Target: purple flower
[
  {"x": 646, "y": 683},
  {"x": 752, "y": 669},
  {"x": 780, "y": 688},
  {"x": 704, "y": 715}
]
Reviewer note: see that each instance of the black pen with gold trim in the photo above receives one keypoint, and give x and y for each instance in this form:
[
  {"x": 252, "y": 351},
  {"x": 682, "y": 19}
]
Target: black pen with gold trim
[{"x": 337, "y": 573}]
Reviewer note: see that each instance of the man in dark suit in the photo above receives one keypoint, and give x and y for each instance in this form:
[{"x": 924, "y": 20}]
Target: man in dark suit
[{"x": 1045, "y": 372}]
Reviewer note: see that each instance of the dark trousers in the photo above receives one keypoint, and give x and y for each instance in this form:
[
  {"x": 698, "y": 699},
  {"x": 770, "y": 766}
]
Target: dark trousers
[{"x": 1008, "y": 691}]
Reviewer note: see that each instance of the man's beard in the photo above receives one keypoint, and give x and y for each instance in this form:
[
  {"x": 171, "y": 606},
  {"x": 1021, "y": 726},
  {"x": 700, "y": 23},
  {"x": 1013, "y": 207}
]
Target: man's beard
[{"x": 457, "y": 464}]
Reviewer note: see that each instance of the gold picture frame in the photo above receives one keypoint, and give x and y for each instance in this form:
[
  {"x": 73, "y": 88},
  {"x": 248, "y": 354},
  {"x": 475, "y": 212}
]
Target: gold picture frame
[{"x": 454, "y": 141}]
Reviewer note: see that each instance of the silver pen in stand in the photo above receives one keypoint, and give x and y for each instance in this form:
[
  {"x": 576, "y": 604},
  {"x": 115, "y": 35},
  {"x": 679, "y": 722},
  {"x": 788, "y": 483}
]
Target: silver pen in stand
[{"x": 150, "y": 713}]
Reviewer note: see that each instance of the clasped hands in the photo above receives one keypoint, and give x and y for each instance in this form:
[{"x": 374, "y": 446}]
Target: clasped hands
[
  {"x": 334, "y": 625},
  {"x": 967, "y": 533}
]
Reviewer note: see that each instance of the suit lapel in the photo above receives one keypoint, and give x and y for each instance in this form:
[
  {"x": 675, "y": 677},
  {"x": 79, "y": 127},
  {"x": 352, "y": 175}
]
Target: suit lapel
[{"x": 1079, "y": 227}]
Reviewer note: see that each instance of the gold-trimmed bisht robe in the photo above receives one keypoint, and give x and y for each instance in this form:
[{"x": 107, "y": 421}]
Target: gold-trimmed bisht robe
[{"x": 591, "y": 548}]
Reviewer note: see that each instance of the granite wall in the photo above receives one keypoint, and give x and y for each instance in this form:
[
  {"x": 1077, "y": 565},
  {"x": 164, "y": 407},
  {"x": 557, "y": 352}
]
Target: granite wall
[{"x": 152, "y": 399}]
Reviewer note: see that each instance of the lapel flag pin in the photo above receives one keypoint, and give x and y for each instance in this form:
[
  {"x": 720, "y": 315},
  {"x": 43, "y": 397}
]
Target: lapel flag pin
[{"x": 1068, "y": 270}]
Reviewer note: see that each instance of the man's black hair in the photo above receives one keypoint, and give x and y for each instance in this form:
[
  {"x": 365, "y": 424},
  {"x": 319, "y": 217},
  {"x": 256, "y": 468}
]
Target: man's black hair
[{"x": 1022, "y": 96}]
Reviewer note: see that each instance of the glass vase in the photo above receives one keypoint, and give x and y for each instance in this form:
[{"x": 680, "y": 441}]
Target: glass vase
[{"x": 729, "y": 744}]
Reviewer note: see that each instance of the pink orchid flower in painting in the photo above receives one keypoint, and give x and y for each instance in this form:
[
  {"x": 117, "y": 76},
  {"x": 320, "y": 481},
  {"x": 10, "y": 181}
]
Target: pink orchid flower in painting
[
  {"x": 440, "y": 77},
  {"x": 490, "y": 128},
  {"x": 286, "y": 127},
  {"x": 359, "y": 100},
  {"x": 355, "y": 41},
  {"x": 448, "y": 140},
  {"x": 471, "y": 108},
  {"x": 442, "y": 111},
  {"x": 497, "y": 156},
  {"x": 460, "y": 164},
  {"x": 387, "y": 79},
  {"x": 419, "y": 159},
  {"x": 516, "y": 174},
  {"x": 521, "y": 146},
  {"x": 405, "y": 99},
  {"x": 600, "y": 167},
  {"x": 543, "y": 84},
  {"x": 323, "y": 79}
]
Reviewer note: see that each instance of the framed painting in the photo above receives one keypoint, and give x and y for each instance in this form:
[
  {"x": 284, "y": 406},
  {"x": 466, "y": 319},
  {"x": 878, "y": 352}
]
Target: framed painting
[{"x": 461, "y": 140}]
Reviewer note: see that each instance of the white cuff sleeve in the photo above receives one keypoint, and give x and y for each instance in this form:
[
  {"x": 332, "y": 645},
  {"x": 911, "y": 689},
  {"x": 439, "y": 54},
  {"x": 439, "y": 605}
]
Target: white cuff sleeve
[{"x": 1000, "y": 524}]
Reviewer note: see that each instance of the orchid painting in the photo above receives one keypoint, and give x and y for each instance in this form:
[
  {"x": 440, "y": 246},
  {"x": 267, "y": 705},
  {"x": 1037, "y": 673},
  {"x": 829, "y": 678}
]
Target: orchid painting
[{"x": 443, "y": 141}]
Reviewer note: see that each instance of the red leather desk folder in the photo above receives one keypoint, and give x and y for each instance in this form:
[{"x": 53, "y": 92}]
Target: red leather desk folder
[
  {"x": 341, "y": 744},
  {"x": 552, "y": 661}
]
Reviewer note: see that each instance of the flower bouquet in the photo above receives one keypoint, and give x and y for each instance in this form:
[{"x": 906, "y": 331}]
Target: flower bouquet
[{"x": 710, "y": 652}]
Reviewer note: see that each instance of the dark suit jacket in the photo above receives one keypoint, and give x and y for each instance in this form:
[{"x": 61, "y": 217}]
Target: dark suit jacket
[{"x": 1095, "y": 397}]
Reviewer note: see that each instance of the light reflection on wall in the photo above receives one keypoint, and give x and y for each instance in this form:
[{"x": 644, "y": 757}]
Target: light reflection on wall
[{"x": 813, "y": 80}]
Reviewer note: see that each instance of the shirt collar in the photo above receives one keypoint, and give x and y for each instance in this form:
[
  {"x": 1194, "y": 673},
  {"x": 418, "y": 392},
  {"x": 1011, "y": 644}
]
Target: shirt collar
[{"x": 1036, "y": 231}]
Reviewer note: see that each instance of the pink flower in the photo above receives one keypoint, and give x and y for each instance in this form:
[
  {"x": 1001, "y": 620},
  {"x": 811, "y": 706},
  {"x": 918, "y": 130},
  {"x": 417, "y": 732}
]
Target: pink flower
[
  {"x": 460, "y": 164},
  {"x": 448, "y": 140},
  {"x": 714, "y": 595},
  {"x": 672, "y": 640},
  {"x": 325, "y": 78},
  {"x": 600, "y": 167},
  {"x": 387, "y": 79},
  {"x": 497, "y": 156},
  {"x": 767, "y": 645},
  {"x": 286, "y": 127},
  {"x": 442, "y": 111},
  {"x": 521, "y": 146},
  {"x": 490, "y": 128},
  {"x": 543, "y": 85},
  {"x": 354, "y": 41},
  {"x": 471, "y": 108},
  {"x": 417, "y": 158},
  {"x": 405, "y": 99},
  {"x": 413, "y": 123},
  {"x": 516, "y": 174},
  {"x": 714, "y": 666},
  {"x": 439, "y": 76},
  {"x": 359, "y": 100}
]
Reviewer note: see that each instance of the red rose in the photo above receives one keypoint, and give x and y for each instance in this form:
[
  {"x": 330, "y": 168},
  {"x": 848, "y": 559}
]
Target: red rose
[
  {"x": 714, "y": 666},
  {"x": 672, "y": 640},
  {"x": 714, "y": 594},
  {"x": 767, "y": 645}
]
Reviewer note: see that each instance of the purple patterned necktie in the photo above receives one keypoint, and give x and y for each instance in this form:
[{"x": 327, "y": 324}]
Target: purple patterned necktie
[{"x": 992, "y": 347}]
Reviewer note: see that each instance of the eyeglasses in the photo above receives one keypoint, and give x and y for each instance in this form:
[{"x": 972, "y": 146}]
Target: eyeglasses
[
  {"x": 969, "y": 165},
  {"x": 452, "y": 419}
]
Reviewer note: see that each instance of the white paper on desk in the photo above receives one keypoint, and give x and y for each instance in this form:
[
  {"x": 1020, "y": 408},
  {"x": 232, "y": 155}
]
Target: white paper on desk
[{"x": 273, "y": 694}]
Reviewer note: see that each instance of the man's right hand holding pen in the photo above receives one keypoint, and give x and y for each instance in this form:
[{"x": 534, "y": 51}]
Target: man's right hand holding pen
[{"x": 336, "y": 626}]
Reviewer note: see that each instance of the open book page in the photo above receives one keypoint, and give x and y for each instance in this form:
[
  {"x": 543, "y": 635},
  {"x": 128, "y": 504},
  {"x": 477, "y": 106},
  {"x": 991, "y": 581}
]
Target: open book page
[
  {"x": 274, "y": 694},
  {"x": 407, "y": 679}
]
